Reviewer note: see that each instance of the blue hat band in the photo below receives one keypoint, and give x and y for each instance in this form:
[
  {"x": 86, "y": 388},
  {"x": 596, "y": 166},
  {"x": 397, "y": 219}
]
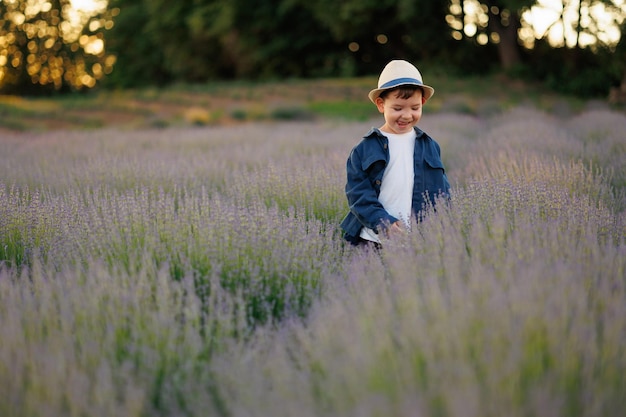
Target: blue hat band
[{"x": 400, "y": 81}]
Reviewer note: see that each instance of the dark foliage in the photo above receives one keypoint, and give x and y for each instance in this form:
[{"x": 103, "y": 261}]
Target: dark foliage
[{"x": 159, "y": 42}]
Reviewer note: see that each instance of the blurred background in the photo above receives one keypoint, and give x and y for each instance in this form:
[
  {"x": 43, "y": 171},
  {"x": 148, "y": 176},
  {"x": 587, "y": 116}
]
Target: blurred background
[{"x": 57, "y": 46}]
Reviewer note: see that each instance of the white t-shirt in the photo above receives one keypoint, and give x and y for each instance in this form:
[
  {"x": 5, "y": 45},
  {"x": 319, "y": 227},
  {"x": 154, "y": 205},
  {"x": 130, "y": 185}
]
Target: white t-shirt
[{"x": 396, "y": 189}]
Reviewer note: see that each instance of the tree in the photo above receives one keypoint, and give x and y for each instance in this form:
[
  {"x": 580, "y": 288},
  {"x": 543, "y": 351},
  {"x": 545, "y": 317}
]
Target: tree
[
  {"x": 280, "y": 38},
  {"x": 593, "y": 19},
  {"x": 47, "y": 46},
  {"x": 200, "y": 40},
  {"x": 581, "y": 63},
  {"x": 617, "y": 94},
  {"x": 492, "y": 22},
  {"x": 582, "y": 58},
  {"x": 378, "y": 30},
  {"x": 504, "y": 21},
  {"x": 140, "y": 61}
]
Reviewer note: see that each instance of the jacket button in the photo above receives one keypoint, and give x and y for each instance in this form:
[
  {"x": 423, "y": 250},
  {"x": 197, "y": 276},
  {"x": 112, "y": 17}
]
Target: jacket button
[
  {"x": 377, "y": 182},
  {"x": 385, "y": 146}
]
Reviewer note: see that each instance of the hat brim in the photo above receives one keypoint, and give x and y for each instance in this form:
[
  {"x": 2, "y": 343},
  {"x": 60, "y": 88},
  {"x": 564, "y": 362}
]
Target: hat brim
[{"x": 428, "y": 91}]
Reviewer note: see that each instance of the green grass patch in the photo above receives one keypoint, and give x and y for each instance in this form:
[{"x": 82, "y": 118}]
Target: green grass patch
[
  {"x": 335, "y": 98},
  {"x": 347, "y": 110}
]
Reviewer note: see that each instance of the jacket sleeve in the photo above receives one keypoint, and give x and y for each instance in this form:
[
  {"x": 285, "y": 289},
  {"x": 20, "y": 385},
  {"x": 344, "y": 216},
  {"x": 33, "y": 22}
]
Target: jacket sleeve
[
  {"x": 362, "y": 189},
  {"x": 446, "y": 183}
]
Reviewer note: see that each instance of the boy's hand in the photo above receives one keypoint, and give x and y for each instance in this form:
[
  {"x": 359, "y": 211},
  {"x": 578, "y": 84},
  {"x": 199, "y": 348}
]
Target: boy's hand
[{"x": 396, "y": 229}]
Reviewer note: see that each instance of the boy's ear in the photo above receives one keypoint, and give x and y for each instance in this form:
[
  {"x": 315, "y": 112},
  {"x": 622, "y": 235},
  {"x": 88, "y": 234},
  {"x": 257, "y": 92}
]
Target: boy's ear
[
  {"x": 423, "y": 100},
  {"x": 380, "y": 104}
]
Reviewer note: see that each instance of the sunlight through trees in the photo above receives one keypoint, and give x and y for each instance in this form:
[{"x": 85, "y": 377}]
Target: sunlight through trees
[
  {"x": 52, "y": 45},
  {"x": 70, "y": 45},
  {"x": 570, "y": 23}
]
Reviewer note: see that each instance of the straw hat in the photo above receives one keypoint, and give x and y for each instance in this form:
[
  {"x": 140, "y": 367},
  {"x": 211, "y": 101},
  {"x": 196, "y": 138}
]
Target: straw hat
[{"x": 397, "y": 73}]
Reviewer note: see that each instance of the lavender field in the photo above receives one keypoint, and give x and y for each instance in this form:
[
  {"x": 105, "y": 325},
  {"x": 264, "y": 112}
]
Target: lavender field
[{"x": 200, "y": 272}]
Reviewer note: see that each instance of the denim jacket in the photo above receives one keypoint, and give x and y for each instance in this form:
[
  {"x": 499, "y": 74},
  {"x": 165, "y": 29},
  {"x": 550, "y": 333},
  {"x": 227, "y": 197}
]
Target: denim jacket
[{"x": 365, "y": 167}]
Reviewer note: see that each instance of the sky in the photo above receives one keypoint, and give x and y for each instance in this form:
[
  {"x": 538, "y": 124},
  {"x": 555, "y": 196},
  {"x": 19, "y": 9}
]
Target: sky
[{"x": 88, "y": 5}]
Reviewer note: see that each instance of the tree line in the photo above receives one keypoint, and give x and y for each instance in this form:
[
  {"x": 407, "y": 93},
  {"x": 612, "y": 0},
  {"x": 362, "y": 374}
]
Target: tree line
[{"x": 45, "y": 46}]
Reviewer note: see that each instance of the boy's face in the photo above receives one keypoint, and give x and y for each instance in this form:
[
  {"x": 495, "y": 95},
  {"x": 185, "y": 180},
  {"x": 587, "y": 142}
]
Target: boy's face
[{"x": 400, "y": 114}]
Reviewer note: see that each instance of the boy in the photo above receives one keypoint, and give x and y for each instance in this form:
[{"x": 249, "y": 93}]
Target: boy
[{"x": 395, "y": 170}]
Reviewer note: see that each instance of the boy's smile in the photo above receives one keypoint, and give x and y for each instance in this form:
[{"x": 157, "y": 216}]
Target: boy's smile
[{"x": 400, "y": 114}]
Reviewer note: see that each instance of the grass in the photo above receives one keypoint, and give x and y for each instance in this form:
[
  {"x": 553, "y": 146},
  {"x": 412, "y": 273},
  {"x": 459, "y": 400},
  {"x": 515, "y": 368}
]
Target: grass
[
  {"x": 347, "y": 110},
  {"x": 232, "y": 102},
  {"x": 198, "y": 270}
]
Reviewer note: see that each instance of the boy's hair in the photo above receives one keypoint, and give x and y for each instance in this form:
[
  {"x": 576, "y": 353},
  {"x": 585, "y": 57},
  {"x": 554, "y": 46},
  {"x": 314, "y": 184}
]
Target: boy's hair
[{"x": 402, "y": 91}]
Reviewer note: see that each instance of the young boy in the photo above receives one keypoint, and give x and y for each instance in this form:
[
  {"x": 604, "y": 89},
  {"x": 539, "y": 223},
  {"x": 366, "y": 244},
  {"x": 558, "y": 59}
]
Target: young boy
[{"x": 395, "y": 170}]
